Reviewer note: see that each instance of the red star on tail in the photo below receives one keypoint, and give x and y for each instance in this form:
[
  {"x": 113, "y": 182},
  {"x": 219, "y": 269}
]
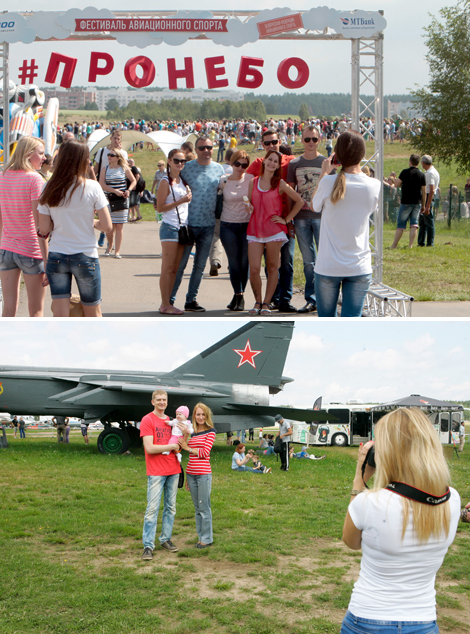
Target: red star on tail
[{"x": 247, "y": 355}]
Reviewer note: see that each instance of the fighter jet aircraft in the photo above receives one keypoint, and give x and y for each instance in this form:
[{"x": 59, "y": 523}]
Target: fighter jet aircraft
[{"x": 234, "y": 377}]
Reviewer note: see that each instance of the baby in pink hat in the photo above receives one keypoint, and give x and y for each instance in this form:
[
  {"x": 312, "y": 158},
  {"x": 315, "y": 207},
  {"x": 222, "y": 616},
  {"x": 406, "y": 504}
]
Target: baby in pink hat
[{"x": 182, "y": 414}]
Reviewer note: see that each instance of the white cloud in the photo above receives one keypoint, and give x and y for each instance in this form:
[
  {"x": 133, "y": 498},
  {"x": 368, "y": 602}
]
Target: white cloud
[{"x": 307, "y": 343}]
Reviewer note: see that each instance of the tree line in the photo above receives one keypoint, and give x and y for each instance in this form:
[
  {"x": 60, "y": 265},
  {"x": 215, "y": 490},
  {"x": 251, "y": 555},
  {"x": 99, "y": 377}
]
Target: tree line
[
  {"x": 318, "y": 104},
  {"x": 186, "y": 110}
]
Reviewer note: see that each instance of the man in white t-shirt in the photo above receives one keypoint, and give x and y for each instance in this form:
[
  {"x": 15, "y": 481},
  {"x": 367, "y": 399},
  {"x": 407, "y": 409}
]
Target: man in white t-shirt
[{"x": 427, "y": 229}]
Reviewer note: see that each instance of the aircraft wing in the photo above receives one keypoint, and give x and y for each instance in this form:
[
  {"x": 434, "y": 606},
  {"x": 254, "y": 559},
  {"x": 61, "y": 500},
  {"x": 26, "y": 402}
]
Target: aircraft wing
[{"x": 290, "y": 413}]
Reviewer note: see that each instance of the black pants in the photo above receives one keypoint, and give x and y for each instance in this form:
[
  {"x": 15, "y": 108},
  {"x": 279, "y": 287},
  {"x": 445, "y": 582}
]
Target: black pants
[{"x": 284, "y": 455}]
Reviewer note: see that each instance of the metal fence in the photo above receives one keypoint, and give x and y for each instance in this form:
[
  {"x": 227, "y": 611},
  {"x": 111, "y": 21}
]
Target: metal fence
[{"x": 449, "y": 204}]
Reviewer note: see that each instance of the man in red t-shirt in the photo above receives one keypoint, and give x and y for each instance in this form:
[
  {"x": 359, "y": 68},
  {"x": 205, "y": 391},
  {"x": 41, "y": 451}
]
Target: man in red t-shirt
[
  {"x": 163, "y": 473},
  {"x": 283, "y": 294}
]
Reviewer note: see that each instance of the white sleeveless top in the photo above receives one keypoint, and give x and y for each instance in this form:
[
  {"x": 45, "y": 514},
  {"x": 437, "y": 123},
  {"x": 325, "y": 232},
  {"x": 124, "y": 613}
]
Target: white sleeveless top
[{"x": 171, "y": 217}]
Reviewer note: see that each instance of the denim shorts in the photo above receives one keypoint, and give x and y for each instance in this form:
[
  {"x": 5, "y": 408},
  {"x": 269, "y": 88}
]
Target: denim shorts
[
  {"x": 86, "y": 271},
  {"x": 355, "y": 625},
  {"x": 10, "y": 261},
  {"x": 168, "y": 233},
  {"x": 408, "y": 211}
]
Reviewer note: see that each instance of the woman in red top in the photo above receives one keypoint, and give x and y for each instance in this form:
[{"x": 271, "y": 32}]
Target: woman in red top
[
  {"x": 198, "y": 471},
  {"x": 267, "y": 228}
]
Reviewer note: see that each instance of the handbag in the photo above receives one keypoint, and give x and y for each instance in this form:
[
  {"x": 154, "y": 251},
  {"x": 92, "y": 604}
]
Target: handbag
[
  {"x": 219, "y": 204},
  {"x": 181, "y": 478},
  {"x": 118, "y": 204},
  {"x": 185, "y": 234}
]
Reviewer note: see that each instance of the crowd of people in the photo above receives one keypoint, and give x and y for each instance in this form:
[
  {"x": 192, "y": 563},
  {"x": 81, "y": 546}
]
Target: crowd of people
[{"x": 254, "y": 210}]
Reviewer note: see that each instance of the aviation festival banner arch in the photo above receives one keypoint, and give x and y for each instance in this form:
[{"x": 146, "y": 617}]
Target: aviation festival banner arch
[{"x": 176, "y": 29}]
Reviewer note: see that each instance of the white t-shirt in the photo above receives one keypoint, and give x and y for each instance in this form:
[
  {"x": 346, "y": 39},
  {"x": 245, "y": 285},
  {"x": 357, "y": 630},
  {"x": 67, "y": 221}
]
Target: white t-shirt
[
  {"x": 171, "y": 217},
  {"x": 73, "y": 230},
  {"x": 397, "y": 578},
  {"x": 432, "y": 178},
  {"x": 344, "y": 249}
]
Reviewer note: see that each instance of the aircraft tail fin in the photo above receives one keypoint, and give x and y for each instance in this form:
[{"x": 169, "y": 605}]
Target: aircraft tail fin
[{"x": 254, "y": 354}]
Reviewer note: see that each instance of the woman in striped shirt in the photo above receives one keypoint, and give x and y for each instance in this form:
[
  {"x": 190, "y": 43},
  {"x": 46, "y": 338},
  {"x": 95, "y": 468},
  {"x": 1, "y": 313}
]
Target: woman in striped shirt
[
  {"x": 113, "y": 179},
  {"x": 198, "y": 471},
  {"x": 20, "y": 250}
]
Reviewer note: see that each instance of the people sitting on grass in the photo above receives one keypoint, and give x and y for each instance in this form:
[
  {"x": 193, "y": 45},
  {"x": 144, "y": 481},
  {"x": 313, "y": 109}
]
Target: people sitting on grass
[
  {"x": 304, "y": 454},
  {"x": 239, "y": 460},
  {"x": 257, "y": 462}
]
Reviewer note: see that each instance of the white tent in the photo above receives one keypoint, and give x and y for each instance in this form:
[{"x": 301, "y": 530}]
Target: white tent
[{"x": 166, "y": 140}]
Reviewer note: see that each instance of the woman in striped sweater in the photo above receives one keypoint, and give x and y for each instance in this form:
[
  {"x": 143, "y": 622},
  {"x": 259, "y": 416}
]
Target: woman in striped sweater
[{"x": 198, "y": 471}]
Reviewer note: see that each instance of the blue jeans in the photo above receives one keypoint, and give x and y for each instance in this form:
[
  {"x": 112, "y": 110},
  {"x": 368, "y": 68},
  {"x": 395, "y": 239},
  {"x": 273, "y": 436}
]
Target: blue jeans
[
  {"x": 220, "y": 154},
  {"x": 233, "y": 237},
  {"x": 427, "y": 229},
  {"x": 269, "y": 451},
  {"x": 245, "y": 468},
  {"x": 61, "y": 267},
  {"x": 203, "y": 237},
  {"x": 354, "y": 290},
  {"x": 284, "y": 290},
  {"x": 22, "y": 434},
  {"x": 168, "y": 485},
  {"x": 354, "y": 625},
  {"x": 242, "y": 435},
  {"x": 307, "y": 231},
  {"x": 200, "y": 489},
  {"x": 408, "y": 211}
]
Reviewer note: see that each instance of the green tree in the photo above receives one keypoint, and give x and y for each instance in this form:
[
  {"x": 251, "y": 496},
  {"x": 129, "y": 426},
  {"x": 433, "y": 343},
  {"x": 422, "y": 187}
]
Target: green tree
[
  {"x": 112, "y": 104},
  {"x": 304, "y": 114},
  {"x": 90, "y": 105},
  {"x": 443, "y": 103}
]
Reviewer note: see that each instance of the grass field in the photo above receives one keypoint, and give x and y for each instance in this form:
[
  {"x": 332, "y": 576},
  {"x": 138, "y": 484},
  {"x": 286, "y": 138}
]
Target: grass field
[{"x": 70, "y": 529}]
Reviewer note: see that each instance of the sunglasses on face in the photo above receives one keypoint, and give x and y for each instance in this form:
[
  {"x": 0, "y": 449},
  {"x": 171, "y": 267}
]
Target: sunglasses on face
[
  {"x": 242, "y": 165},
  {"x": 178, "y": 161},
  {"x": 112, "y": 155},
  {"x": 275, "y": 142},
  {"x": 204, "y": 147},
  {"x": 307, "y": 139}
]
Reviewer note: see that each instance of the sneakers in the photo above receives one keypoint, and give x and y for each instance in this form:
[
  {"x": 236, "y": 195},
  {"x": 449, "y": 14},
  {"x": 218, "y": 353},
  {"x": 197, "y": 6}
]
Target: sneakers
[
  {"x": 308, "y": 308},
  {"x": 147, "y": 554},
  {"x": 267, "y": 470},
  {"x": 169, "y": 546},
  {"x": 194, "y": 307},
  {"x": 214, "y": 271}
]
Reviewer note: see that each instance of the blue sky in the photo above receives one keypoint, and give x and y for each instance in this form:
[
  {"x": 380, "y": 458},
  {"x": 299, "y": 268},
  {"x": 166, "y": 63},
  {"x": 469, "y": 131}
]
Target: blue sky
[
  {"x": 374, "y": 361},
  {"x": 329, "y": 62}
]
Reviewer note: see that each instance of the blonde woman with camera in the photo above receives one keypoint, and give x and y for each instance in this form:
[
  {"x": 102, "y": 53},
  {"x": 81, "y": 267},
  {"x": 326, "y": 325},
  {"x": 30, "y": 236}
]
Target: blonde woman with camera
[{"x": 404, "y": 526}]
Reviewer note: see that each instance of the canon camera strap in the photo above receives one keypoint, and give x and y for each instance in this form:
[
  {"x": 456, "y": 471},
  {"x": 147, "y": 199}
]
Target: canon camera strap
[{"x": 417, "y": 495}]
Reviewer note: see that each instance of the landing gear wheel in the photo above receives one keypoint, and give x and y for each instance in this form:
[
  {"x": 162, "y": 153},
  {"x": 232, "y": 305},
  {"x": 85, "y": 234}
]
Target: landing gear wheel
[
  {"x": 135, "y": 441},
  {"x": 113, "y": 440}
]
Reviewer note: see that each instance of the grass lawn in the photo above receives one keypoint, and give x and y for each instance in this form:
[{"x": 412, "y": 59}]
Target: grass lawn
[{"x": 70, "y": 529}]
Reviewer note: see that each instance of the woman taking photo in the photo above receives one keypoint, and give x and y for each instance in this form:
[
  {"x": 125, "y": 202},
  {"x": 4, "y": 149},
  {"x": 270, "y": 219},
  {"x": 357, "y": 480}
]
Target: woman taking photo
[
  {"x": 404, "y": 525},
  {"x": 234, "y": 223},
  {"x": 346, "y": 201},
  {"x": 113, "y": 179},
  {"x": 66, "y": 211},
  {"x": 173, "y": 197},
  {"x": 20, "y": 249},
  {"x": 198, "y": 471},
  {"x": 266, "y": 232}
]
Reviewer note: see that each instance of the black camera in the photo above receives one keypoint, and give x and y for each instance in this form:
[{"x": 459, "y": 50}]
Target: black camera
[{"x": 370, "y": 460}]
